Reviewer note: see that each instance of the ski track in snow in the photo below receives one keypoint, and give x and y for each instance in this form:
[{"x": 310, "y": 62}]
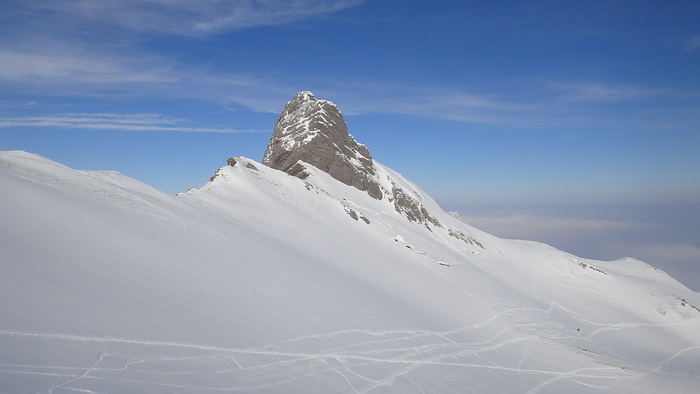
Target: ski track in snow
[
  {"x": 399, "y": 353},
  {"x": 532, "y": 347},
  {"x": 84, "y": 373}
]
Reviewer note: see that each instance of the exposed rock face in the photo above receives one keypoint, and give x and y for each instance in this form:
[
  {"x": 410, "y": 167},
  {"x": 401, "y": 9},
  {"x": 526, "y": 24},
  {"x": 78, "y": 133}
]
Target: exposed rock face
[
  {"x": 412, "y": 208},
  {"x": 313, "y": 131}
]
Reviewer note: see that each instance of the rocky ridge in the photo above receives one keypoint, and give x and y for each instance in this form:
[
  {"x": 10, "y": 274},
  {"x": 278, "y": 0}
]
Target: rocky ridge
[{"x": 313, "y": 132}]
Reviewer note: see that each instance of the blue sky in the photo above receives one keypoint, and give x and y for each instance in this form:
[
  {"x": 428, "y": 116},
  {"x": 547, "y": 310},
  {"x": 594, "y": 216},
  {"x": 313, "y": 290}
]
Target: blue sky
[{"x": 562, "y": 121}]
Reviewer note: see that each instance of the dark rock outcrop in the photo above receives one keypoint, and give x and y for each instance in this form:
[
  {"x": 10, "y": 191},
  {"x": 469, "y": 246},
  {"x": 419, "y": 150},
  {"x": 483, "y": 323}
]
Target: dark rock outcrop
[
  {"x": 313, "y": 131},
  {"x": 411, "y": 208}
]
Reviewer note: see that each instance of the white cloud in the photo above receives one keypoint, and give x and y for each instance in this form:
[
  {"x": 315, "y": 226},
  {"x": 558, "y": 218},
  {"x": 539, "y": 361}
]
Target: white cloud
[
  {"x": 60, "y": 69},
  {"x": 692, "y": 44},
  {"x": 190, "y": 18},
  {"x": 56, "y": 70},
  {"x": 52, "y": 67},
  {"x": 597, "y": 239},
  {"x": 118, "y": 122},
  {"x": 67, "y": 64},
  {"x": 363, "y": 97},
  {"x": 582, "y": 92},
  {"x": 670, "y": 251},
  {"x": 454, "y": 105},
  {"x": 523, "y": 225}
]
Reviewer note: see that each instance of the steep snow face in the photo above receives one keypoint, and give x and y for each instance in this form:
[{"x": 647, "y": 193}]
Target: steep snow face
[{"x": 261, "y": 281}]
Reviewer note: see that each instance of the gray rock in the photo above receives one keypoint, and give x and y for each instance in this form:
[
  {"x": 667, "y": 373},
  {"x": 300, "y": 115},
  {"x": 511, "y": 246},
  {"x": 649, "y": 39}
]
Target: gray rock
[
  {"x": 313, "y": 131},
  {"x": 412, "y": 208}
]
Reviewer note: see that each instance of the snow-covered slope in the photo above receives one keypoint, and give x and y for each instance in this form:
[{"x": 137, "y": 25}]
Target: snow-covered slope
[{"x": 264, "y": 282}]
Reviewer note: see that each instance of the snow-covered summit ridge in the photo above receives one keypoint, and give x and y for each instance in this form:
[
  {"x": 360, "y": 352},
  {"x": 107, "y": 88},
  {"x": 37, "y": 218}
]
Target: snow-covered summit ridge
[
  {"x": 261, "y": 280},
  {"x": 109, "y": 185}
]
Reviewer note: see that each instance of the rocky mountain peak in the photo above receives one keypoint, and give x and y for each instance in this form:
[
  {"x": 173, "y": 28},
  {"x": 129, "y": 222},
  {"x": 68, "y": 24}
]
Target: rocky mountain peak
[{"x": 313, "y": 131}]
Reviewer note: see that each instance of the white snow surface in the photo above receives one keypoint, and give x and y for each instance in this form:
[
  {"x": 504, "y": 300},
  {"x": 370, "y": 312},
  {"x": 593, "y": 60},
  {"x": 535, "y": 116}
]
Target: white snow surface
[{"x": 263, "y": 282}]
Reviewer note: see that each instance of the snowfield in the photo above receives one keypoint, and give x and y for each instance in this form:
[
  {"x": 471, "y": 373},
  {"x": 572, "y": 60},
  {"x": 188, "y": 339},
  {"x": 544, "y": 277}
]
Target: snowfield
[{"x": 263, "y": 282}]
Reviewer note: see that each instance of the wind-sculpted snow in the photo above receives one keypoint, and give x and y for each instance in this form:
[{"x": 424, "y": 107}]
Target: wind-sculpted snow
[{"x": 264, "y": 282}]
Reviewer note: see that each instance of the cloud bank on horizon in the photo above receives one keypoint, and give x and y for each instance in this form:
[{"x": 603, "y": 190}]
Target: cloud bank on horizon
[{"x": 477, "y": 102}]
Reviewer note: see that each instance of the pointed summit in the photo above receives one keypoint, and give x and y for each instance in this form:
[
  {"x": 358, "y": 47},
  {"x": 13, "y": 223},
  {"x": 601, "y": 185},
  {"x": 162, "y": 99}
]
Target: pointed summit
[{"x": 313, "y": 131}]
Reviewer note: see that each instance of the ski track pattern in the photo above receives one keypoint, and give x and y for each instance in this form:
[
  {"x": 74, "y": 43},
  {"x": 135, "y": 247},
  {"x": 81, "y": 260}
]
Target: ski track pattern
[{"x": 389, "y": 356}]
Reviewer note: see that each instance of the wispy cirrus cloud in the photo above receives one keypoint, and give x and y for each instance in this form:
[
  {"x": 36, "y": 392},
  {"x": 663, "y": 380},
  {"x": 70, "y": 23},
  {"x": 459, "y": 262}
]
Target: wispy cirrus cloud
[
  {"x": 73, "y": 72},
  {"x": 78, "y": 48},
  {"x": 692, "y": 44},
  {"x": 598, "y": 92},
  {"x": 69, "y": 63},
  {"x": 359, "y": 97},
  {"x": 67, "y": 72},
  {"x": 186, "y": 18},
  {"x": 117, "y": 122},
  {"x": 72, "y": 65},
  {"x": 49, "y": 67}
]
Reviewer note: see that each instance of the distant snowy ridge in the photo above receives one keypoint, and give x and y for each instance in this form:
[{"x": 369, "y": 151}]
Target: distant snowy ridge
[{"x": 262, "y": 281}]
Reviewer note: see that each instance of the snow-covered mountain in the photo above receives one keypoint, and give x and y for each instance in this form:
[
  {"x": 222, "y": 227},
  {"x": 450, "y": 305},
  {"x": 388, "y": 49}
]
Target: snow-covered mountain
[{"x": 314, "y": 273}]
